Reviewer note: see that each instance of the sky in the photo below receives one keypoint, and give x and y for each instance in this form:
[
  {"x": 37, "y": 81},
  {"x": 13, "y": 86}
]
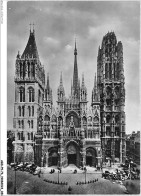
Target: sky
[{"x": 57, "y": 24}]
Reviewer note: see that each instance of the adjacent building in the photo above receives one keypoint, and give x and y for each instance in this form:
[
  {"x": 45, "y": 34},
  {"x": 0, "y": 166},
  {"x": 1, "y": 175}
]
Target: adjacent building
[
  {"x": 133, "y": 146},
  {"x": 71, "y": 133},
  {"x": 10, "y": 139}
]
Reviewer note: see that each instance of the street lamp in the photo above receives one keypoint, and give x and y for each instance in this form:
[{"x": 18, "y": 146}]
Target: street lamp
[
  {"x": 58, "y": 176},
  {"x": 85, "y": 174},
  {"x": 15, "y": 181},
  {"x": 130, "y": 168}
]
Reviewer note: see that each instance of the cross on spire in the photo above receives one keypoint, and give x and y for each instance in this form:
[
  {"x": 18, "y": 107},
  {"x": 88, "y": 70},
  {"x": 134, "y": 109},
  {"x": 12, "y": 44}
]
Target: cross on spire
[{"x": 32, "y": 26}]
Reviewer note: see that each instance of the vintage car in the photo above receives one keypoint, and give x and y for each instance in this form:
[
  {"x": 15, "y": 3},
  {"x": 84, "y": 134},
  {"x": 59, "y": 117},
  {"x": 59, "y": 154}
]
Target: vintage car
[{"x": 105, "y": 174}]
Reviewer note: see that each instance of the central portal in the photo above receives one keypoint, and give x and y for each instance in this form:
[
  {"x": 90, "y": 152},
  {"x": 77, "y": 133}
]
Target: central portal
[
  {"x": 72, "y": 159},
  {"x": 73, "y": 155}
]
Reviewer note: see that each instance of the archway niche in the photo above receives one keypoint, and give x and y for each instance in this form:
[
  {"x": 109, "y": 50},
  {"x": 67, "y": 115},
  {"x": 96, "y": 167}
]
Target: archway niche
[
  {"x": 84, "y": 120},
  {"x": 91, "y": 155},
  {"x": 53, "y": 157},
  {"x": 117, "y": 149},
  {"x": 60, "y": 121},
  {"x": 73, "y": 154}
]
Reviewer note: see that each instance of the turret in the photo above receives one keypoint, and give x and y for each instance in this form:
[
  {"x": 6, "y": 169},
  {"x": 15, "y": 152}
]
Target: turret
[
  {"x": 61, "y": 91},
  {"x": 28, "y": 65},
  {"x": 95, "y": 94},
  {"x": 83, "y": 97},
  {"x": 83, "y": 90},
  {"x": 48, "y": 93}
]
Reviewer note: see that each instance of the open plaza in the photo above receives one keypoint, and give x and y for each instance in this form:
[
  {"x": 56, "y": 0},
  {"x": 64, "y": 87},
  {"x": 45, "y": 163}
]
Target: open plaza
[{"x": 70, "y": 180}]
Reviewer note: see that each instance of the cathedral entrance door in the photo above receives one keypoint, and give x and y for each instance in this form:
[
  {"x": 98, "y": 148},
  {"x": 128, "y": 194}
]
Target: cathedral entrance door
[
  {"x": 72, "y": 159},
  {"x": 53, "y": 159},
  {"x": 91, "y": 155},
  {"x": 89, "y": 160},
  {"x": 72, "y": 154}
]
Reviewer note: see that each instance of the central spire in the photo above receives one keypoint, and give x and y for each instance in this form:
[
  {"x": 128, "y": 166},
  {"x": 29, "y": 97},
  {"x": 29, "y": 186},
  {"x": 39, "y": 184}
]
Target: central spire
[{"x": 75, "y": 72}]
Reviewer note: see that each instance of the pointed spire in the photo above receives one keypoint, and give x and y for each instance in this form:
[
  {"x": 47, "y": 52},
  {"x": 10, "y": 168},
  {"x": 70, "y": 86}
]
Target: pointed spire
[
  {"x": 18, "y": 55},
  {"x": 61, "y": 80},
  {"x": 30, "y": 27},
  {"x": 83, "y": 83},
  {"x": 31, "y": 48},
  {"x": 48, "y": 91},
  {"x": 75, "y": 73},
  {"x": 95, "y": 93},
  {"x": 33, "y": 28},
  {"x": 61, "y": 91},
  {"x": 75, "y": 49},
  {"x": 61, "y": 88}
]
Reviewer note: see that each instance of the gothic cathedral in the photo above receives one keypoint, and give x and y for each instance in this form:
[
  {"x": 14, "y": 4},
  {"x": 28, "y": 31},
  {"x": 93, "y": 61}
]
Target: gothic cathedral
[{"x": 70, "y": 133}]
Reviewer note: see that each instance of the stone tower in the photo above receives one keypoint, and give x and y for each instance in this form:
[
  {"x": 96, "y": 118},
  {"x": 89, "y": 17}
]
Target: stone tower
[
  {"x": 110, "y": 77},
  {"x": 29, "y": 91}
]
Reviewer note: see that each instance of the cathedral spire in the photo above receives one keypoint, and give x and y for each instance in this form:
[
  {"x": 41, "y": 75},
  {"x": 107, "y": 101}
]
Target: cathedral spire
[
  {"x": 61, "y": 91},
  {"x": 75, "y": 73},
  {"x": 48, "y": 91},
  {"x": 31, "y": 48},
  {"x": 83, "y": 90}
]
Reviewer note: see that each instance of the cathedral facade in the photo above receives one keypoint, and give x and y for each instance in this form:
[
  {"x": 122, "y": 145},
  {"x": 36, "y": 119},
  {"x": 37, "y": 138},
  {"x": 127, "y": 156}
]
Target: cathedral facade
[{"x": 71, "y": 133}]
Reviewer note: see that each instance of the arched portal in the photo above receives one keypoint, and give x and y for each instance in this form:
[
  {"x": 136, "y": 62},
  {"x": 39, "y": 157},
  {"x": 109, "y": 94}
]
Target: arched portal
[
  {"x": 117, "y": 149},
  {"x": 53, "y": 157},
  {"x": 73, "y": 154},
  {"x": 91, "y": 155}
]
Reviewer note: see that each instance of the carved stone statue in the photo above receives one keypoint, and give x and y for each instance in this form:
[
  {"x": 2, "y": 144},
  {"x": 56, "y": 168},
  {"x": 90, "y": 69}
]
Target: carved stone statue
[{"x": 71, "y": 122}]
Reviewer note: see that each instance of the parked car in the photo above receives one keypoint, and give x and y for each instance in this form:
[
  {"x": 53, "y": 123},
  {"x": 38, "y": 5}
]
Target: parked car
[
  {"x": 32, "y": 168},
  {"x": 23, "y": 168},
  {"x": 18, "y": 167},
  {"x": 105, "y": 174},
  {"x": 13, "y": 165},
  {"x": 37, "y": 171},
  {"x": 28, "y": 167}
]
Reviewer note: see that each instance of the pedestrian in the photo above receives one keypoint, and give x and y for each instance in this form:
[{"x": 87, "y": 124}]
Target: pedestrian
[{"x": 69, "y": 189}]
